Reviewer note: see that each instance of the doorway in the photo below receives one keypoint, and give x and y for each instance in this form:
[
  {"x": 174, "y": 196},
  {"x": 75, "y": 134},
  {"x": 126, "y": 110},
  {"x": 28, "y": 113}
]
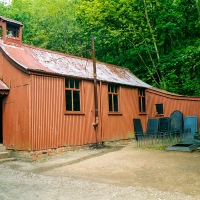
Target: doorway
[{"x": 1, "y": 121}]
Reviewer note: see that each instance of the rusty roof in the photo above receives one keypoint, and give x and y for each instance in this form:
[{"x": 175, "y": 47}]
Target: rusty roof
[
  {"x": 30, "y": 58},
  {"x": 3, "y": 86},
  {"x": 10, "y": 20},
  {"x": 160, "y": 91}
]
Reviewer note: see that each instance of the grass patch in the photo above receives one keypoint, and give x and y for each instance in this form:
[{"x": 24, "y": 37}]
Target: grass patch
[{"x": 159, "y": 148}]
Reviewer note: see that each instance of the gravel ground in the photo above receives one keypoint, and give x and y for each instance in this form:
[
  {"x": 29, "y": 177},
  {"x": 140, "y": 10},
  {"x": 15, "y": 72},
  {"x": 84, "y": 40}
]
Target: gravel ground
[{"x": 77, "y": 175}]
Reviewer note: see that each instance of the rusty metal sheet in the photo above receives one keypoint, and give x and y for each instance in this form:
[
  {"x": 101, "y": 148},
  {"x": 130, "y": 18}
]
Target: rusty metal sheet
[
  {"x": 16, "y": 109},
  {"x": 187, "y": 105},
  {"x": 22, "y": 57},
  {"x": 51, "y": 127},
  {"x": 116, "y": 126},
  {"x": 36, "y": 59},
  {"x": 172, "y": 95}
]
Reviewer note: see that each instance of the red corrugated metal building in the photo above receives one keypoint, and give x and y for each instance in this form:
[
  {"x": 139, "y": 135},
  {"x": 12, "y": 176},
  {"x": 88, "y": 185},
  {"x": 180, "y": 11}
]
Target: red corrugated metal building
[{"x": 47, "y": 98}]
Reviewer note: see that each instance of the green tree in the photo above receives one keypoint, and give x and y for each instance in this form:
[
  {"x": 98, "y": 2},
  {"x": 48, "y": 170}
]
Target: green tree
[
  {"x": 151, "y": 37},
  {"x": 157, "y": 40}
]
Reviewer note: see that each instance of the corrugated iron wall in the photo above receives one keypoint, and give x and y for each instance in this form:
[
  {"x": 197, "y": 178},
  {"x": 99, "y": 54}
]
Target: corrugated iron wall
[
  {"x": 187, "y": 105},
  {"x": 15, "y": 107},
  {"x": 34, "y": 115},
  {"x": 120, "y": 126},
  {"x": 50, "y": 126}
]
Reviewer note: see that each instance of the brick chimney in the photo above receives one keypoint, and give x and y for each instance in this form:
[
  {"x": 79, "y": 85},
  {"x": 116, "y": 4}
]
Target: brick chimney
[{"x": 11, "y": 31}]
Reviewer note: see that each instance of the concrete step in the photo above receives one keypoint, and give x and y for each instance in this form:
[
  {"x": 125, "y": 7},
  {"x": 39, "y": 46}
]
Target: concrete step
[
  {"x": 7, "y": 159},
  {"x": 4, "y": 155},
  {"x": 2, "y": 148}
]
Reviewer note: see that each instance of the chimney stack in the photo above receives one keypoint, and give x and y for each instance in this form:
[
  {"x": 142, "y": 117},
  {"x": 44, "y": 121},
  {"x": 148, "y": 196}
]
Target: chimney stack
[{"x": 11, "y": 31}]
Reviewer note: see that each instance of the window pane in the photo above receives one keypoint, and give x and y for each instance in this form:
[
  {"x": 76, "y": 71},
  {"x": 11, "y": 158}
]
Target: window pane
[
  {"x": 143, "y": 105},
  {"x": 77, "y": 84},
  {"x": 141, "y": 92},
  {"x": 76, "y": 96},
  {"x": 112, "y": 88},
  {"x": 159, "y": 108},
  {"x": 66, "y": 83},
  {"x": 142, "y": 101},
  {"x": 115, "y": 103},
  {"x": 109, "y": 88},
  {"x": 116, "y": 89},
  {"x": 68, "y": 94},
  {"x": 110, "y": 102},
  {"x": 71, "y": 83},
  {"x": 140, "y": 104}
]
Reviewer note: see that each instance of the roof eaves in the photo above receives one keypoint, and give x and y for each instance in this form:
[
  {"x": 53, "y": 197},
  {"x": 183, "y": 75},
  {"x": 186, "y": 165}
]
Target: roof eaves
[
  {"x": 173, "y": 95},
  {"x": 11, "y": 20},
  {"x": 14, "y": 62},
  {"x": 44, "y": 73},
  {"x": 131, "y": 80}
]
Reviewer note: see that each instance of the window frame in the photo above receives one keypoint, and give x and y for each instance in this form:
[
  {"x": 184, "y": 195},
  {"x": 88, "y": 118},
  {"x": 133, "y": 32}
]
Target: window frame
[
  {"x": 114, "y": 90},
  {"x": 159, "y": 107},
  {"x": 142, "y": 101},
  {"x": 73, "y": 89}
]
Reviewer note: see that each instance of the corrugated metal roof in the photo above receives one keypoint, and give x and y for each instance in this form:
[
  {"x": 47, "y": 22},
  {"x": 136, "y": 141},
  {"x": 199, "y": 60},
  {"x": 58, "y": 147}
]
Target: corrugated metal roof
[
  {"x": 174, "y": 94},
  {"x": 36, "y": 59},
  {"x": 10, "y": 20},
  {"x": 3, "y": 86}
]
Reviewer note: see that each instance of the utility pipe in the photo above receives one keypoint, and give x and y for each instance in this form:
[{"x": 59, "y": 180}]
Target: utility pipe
[{"x": 96, "y": 123}]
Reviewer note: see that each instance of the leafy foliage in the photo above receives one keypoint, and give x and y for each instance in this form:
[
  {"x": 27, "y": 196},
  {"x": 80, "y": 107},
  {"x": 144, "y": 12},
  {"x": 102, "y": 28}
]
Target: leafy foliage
[{"x": 157, "y": 40}]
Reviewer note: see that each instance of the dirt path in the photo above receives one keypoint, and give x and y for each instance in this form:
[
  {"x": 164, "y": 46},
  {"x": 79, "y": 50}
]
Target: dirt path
[
  {"x": 122, "y": 172},
  {"x": 165, "y": 171}
]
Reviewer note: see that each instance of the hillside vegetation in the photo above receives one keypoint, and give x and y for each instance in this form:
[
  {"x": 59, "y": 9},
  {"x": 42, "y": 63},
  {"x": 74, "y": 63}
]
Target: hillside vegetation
[{"x": 158, "y": 40}]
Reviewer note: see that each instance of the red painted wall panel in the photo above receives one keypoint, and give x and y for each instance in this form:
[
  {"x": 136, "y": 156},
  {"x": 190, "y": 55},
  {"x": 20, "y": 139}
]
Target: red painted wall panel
[
  {"x": 189, "y": 106},
  {"x": 34, "y": 115},
  {"x": 115, "y": 127},
  {"x": 15, "y": 107},
  {"x": 50, "y": 126}
]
